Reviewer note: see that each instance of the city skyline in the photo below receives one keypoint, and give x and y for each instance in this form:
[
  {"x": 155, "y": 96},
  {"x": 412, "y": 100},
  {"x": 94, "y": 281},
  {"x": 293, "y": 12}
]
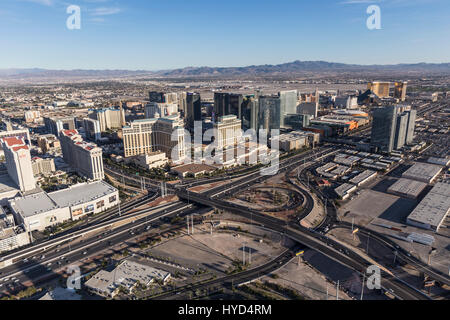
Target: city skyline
[{"x": 142, "y": 35}]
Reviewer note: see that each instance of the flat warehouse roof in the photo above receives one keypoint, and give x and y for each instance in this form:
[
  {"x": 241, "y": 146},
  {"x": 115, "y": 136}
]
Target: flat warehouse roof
[
  {"x": 363, "y": 175},
  {"x": 423, "y": 171},
  {"x": 81, "y": 193},
  {"x": 408, "y": 187},
  {"x": 33, "y": 204},
  {"x": 434, "y": 208}
]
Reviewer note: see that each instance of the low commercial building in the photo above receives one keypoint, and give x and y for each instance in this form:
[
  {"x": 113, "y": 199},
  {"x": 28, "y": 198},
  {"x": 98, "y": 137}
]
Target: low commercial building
[
  {"x": 407, "y": 188},
  {"x": 38, "y": 211},
  {"x": 193, "y": 169},
  {"x": 11, "y": 235},
  {"x": 86, "y": 198},
  {"x": 292, "y": 141},
  {"x": 434, "y": 208},
  {"x": 363, "y": 177},
  {"x": 150, "y": 160},
  {"x": 424, "y": 172},
  {"x": 126, "y": 276},
  {"x": 41, "y": 210}
]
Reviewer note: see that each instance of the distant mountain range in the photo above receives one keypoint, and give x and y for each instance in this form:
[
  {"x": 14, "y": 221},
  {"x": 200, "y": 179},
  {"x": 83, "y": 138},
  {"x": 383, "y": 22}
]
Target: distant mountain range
[
  {"x": 291, "y": 68},
  {"x": 298, "y": 67}
]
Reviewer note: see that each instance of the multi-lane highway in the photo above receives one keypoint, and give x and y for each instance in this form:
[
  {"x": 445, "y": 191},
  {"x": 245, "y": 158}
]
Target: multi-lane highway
[
  {"x": 31, "y": 265},
  {"x": 311, "y": 239}
]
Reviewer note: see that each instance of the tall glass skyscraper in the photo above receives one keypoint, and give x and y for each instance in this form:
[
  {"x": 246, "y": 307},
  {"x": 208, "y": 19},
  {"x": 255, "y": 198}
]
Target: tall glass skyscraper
[
  {"x": 288, "y": 104},
  {"x": 269, "y": 116},
  {"x": 383, "y": 128},
  {"x": 193, "y": 109}
]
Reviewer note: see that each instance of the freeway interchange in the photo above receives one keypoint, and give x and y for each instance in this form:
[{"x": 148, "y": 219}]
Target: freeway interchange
[{"x": 59, "y": 252}]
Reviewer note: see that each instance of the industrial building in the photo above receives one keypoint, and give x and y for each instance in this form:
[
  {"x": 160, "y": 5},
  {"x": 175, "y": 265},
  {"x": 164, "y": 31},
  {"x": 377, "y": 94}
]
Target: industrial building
[
  {"x": 407, "y": 188},
  {"x": 445, "y": 162},
  {"x": 345, "y": 190},
  {"x": 424, "y": 172},
  {"x": 363, "y": 177},
  {"x": 346, "y": 160},
  {"x": 434, "y": 208}
]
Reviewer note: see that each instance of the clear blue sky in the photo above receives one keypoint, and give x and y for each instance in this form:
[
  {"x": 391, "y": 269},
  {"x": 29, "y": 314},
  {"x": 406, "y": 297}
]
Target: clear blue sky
[{"x": 162, "y": 34}]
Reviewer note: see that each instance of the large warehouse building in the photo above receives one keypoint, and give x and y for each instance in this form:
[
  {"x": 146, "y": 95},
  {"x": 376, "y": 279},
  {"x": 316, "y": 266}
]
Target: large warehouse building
[
  {"x": 424, "y": 172},
  {"x": 432, "y": 211},
  {"x": 407, "y": 188}
]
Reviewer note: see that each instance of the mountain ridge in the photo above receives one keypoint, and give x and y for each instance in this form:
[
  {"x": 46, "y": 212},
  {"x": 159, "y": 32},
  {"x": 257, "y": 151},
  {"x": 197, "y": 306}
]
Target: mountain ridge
[{"x": 294, "y": 67}]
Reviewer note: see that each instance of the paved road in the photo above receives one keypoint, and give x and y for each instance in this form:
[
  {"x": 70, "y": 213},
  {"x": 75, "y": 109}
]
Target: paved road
[
  {"x": 312, "y": 240},
  {"x": 42, "y": 263}
]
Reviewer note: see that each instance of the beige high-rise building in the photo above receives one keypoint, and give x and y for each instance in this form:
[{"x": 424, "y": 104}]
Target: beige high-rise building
[
  {"x": 32, "y": 115},
  {"x": 18, "y": 163},
  {"x": 109, "y": 118},
  {"x": 48, "y": 142},
  {"x": 171, "y": 97},
  {"x": 400, "y": 90},
  {"x": 150, "y": 135},
  {"x": 86, "y": 158},
  {"x": 227, "y": 131},
  {"x": 182, "y": 102},
  {"x": 381, "y": 89},
  {"x": 42, "y": 166}
]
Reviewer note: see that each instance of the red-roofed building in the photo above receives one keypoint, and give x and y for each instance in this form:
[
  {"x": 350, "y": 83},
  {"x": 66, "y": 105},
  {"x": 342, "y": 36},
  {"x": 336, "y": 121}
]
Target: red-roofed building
[
  {"x": 86, "y": 158},
  {"x": 13, "y": 141},
  {"x": 18, "y": 162}
]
